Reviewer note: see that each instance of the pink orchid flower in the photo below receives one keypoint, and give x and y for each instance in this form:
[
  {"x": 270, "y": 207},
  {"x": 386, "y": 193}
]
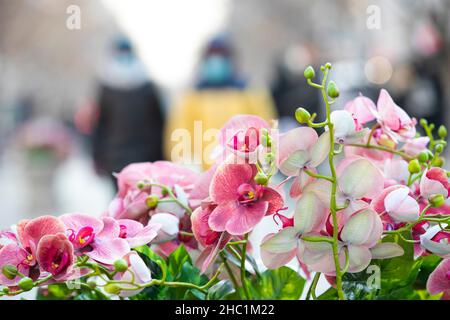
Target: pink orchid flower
[
  {"x": 241, "y": 203},
  {"x": 301, "y": 149},
  {"x": 211, "y": 240},
  {"x": 14, "y": 255},
  {"x": 439, "y": 280},
  {"x": 242, "y": 136},
  {"x": 415, "y": 146},
  {"x": 98, "y": 239},
  {"x": 309, "y": 217},
  {"x": 136, "y": 234},
  {"x": 358, "y": 181},
  {"x": 137, "y": 270},
  {"x": 55, "y": 254},
  {"x": 398, "y": 203},
  {"x": 436, "y": 241},
  {"x": 362, "y": 109},
  {"x": 394, "y": 120},
  {"x": 434, "y": 181},
  {"x": 359, "y": 236}
]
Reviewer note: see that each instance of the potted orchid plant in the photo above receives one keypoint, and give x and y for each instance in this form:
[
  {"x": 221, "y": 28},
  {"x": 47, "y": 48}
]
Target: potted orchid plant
[{"x": 370, "y": 215}]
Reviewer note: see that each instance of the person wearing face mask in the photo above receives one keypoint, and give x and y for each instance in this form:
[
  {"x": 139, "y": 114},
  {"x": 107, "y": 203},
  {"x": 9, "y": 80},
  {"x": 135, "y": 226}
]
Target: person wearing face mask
[
  {"x": 130, "y": 119},
  {"x": 219, "y": 94}
]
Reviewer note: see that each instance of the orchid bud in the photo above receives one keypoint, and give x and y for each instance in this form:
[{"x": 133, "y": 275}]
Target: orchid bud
[
  {"x": 423, "y": 122},
  {"x": 5, "y": 290},
  {"x": 140, "y": 185},
  {"x": 439, "y": 148},
  {"x": 332, "y": 90},
  {"x": 442, "y": 132},
  {"x": 414, "y": 166},
  {"x": 164, "y": 191},
  {"x": 302, "y": 115},
  {"x": 423, "y": 156},
  {"x": 9, "y": 271},
  {"x": 120, "y": 265},
  {"x": 112, "y": 288},
  {"x": 152, "y": 201},
  {"x": 261, "y": 178},
  {"x": 437, "y": 201},
  {"x": 26, "y": 284},
  {"x": 328, "y": 65},
  {"x": 437, "y": 162},
  {"x": 309, "y": 73}
]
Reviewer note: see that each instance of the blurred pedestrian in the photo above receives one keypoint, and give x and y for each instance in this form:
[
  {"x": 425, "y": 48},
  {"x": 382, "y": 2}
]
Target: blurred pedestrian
[
  {"x": 130, "y": 120},
  {"x": 219, "y": 94}
]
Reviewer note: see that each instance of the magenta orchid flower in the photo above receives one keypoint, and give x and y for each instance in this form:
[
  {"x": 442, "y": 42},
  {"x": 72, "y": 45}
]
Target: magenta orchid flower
[
  {"x": 55, "y": 254},
  {"x": 242, "y": 136},
  {"x": 299, "y": 154},
  {"x": 398, "y": 203},
  {"x": 309, "y": 217},
  {"x": 98, "y": 239},
  {"x": 439, "y": 280},
  {"x": 241, "y": 203},
  {"x": 14, "y": 255},
  {"x": 434, "y": 181}
]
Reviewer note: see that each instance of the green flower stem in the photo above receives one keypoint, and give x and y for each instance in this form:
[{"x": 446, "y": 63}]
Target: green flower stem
[
  {"x": 399, "y": 153},
  {"x": 233, "y": 243},
  {"x": 243, "y": 278},
  {"x": 333, "y": 205},
  {"x": 318, "y": 239},
  {"x": 318, "y": 176},
  {"x": 172, "y": 196},
  {"x": 229, "y": 271},
  {"x": 312, "y": 288}
]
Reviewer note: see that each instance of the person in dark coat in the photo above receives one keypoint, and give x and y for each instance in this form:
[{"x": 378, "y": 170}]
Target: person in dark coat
[{"x": 130, "y": 121}]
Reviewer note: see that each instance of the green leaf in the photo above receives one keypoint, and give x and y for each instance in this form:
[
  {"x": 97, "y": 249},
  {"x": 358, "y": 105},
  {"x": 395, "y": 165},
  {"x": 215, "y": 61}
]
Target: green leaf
[
  {"x": 154, "y": 262},
  {"x": 176, "y": 261},
  {"x": 220, "y": 290},
  {"x": 330, "y": 294},
  {"x": 281, "y": 284}
]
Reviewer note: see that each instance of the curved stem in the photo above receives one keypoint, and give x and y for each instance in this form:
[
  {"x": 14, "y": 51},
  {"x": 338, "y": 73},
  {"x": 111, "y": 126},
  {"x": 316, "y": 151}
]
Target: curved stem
[
  {"x": 312, "y": 288},
  {"x": 381, "y": 148},
  {"x": 243, "y": 278}
]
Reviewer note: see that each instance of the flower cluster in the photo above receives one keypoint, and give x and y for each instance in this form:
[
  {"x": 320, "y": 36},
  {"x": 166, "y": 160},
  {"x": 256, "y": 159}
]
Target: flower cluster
[{"x": 368, "y": 187}]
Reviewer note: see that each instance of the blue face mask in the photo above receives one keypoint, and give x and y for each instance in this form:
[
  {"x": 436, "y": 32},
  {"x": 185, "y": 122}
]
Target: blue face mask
[{"x": 216, "y": 70}]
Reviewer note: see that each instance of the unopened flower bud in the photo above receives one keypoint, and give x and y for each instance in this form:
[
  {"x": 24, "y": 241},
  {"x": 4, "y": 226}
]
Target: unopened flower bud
[
  {"x": 26, "y": 284},
  {"x": 152, "y": 201},
  {"x": 302, "y": 115},
  {"x": 439, "y": 148},
  {"x": 423, "y": 122},
  {"x": 437, "y": 201},
  {"x": 332, "y": 90},
  {"x": 437, "y": 162},
  {"x": 112, "y": 288},
  {"x": 309, "y": 73},
  {"x": 442, "y": 132},
  {"x": 120, "y": 265},
  {"x": 328, "y": 65},
  {"x": 140, "y": 185},
  {"x": 9, "y": 271},
  {"x": 261, "y": 178},
  {"x": 414, "y": 166},
  {"x": 423, "y": 156}
]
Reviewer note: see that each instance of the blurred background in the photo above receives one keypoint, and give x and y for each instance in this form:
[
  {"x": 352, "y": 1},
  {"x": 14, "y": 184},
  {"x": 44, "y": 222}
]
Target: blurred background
[{"x": 87, "y": 87}]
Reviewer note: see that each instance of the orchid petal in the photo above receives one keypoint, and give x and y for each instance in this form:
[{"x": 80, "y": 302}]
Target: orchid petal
[
  {"x": 386, "y": 250},
  {"x": 320, "y": 150},
  {"x": 284, "y": 241},
  {"x": 310, "y": 214}
]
